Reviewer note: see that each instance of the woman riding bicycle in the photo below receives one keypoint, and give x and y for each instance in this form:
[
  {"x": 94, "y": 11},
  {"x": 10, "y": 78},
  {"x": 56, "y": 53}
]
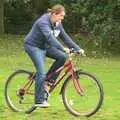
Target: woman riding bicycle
[{"x": 42, "y": 41}]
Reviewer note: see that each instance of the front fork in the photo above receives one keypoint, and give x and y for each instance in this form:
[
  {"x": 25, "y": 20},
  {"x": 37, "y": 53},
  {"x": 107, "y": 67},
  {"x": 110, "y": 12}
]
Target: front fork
[{"x": 76, "y": 82}]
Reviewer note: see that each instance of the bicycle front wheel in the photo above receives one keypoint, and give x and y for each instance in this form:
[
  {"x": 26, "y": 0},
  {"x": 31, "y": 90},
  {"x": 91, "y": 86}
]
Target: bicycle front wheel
[
  {"x": 91, "y": 99},
  {"x": 19, "y": 101}
]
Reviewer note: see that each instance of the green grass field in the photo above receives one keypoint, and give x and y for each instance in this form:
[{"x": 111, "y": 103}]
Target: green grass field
[{"x": 13, "y": 57}]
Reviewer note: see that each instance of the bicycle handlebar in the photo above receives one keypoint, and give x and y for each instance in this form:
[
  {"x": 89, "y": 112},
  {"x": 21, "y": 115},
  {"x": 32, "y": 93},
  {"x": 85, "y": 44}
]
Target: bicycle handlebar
[{"x": 72, "y": 50}]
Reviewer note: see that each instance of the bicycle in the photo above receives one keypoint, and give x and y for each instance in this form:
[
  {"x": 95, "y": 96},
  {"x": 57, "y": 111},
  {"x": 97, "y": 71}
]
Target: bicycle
[{"x": 82, "y": 93}]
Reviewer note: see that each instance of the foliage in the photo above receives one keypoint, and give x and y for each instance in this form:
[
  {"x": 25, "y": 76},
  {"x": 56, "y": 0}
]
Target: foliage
[
  {"x": 98, "y": 18},
  {"x": 20, "y": 14},
  {"x": 95, "y": 17}
]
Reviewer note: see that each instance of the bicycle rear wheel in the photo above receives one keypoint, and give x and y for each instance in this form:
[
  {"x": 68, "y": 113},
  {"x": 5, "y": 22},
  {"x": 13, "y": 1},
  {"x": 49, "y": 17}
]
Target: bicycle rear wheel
[
  {"x": 89, "y": 102},
  {"x": 16, "y": 100}
]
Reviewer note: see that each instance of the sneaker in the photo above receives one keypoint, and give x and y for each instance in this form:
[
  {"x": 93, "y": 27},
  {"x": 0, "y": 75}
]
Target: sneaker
[{"x": 44, "y": 104}]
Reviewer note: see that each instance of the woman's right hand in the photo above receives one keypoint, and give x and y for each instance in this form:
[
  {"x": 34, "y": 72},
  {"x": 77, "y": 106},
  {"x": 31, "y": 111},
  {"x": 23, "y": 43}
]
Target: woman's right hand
[{"x": 67, "y": 50}]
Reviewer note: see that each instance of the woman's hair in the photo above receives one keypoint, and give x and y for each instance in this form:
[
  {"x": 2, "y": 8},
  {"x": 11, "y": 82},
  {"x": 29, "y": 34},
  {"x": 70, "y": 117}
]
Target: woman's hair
[{"x": 58, "y": 8}]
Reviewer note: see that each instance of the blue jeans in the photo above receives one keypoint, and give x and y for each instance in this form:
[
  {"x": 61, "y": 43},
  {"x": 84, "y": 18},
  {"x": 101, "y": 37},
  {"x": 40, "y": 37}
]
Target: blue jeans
[
  {"x": 59, "y": 57},
  {"x": 37, "y": 56}
]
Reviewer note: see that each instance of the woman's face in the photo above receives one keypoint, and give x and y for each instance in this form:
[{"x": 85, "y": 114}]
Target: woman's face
[{"x": 58, "y": 17}]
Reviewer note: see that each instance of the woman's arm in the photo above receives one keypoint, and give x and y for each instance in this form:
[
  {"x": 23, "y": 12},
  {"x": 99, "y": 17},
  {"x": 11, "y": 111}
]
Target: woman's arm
[
  {"x": 50, "y": 38},
  {"x": 67, "y": 39}
]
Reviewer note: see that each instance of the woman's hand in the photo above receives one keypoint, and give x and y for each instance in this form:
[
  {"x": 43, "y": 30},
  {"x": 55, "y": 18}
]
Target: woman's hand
[
  {"x": 82, "y": 52},
  {"x": 67, "y": 50}
]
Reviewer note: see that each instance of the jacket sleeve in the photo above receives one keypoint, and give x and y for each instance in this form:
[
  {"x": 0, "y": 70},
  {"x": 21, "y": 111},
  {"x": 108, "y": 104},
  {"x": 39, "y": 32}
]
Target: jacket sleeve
[
  {"x": 49, "y": 37},
  {"x": 67, "y": 39}
]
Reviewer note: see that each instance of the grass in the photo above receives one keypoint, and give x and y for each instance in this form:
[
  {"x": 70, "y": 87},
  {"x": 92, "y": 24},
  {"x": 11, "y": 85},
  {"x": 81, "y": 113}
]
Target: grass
[{"x": 13, "y": 57}]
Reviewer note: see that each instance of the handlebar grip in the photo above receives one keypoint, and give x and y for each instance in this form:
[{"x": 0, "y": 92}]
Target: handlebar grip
[{"x": 72, "y": 50}]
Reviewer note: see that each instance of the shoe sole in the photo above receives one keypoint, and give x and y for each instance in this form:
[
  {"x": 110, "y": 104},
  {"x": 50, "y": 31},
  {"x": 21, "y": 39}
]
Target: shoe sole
[{"x": 42, "y": 106}]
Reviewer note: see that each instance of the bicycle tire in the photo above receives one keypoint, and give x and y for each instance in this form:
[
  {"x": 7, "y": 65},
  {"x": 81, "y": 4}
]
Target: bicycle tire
[
  {"x": 6, "y": 91},
  {"x": 65, "y": 101}
]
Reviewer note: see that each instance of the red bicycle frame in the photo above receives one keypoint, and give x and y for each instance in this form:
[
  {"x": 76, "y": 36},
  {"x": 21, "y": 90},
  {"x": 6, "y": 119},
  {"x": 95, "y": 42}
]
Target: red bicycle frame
[{"x": 68, "y": 67}]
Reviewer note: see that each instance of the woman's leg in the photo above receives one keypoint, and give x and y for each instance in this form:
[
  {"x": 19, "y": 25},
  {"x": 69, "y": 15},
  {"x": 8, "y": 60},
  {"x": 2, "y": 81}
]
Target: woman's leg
[
  {"x": 60, "y": 58},
  {"x": 37, "y": 56}
]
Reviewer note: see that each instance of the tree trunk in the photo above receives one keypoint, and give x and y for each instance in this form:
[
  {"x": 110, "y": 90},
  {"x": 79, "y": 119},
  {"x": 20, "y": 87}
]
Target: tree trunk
[{"x": 1, "y": 16}]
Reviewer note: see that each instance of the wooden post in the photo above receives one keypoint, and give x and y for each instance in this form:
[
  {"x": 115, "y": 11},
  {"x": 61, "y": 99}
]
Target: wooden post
[{"x": 1, "y": 16}]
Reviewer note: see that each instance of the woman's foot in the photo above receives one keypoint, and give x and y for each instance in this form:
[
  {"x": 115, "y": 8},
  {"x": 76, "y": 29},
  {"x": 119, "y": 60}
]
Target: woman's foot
[
  {"x": 43, "y": 104},
  {"x": 50, "y": 83}
]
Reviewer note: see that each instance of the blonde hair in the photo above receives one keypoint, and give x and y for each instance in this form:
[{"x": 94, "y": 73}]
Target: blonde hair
[{"x": 58, "y": 8}]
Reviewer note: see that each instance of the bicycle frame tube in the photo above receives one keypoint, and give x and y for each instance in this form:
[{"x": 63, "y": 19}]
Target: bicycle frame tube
[
  {"x": 28, "y": 84},
  {"x": 68, "y": 67}
]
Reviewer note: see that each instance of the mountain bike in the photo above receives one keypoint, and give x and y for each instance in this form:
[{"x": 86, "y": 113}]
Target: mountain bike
[{"x": 82, "y": 93}]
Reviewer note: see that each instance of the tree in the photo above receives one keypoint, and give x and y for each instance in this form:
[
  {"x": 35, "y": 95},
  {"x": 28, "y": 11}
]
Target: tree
[
  {"x": 39, "y": 6},
  {"x": 1, "y": 16}
]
